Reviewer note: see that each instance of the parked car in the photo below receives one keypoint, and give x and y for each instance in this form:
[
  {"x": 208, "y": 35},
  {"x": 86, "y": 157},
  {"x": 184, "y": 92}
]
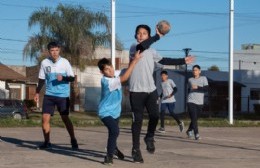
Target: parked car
[{"x": 13, "y": 108}]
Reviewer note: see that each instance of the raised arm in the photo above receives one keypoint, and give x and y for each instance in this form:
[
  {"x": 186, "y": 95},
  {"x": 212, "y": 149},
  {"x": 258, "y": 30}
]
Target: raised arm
[
  {"x": 147, "y": 43},
  {"x": 130, "y": 68}
]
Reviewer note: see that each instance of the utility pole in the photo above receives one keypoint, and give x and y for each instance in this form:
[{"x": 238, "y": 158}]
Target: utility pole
[
  {"x": 186, "y": 51},
  {"x": 231, "y": 62},
  {"x": 113, "y": 32}
]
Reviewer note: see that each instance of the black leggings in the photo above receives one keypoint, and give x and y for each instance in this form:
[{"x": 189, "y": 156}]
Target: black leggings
[
  {"x": 194, "y": 111},
  {"x": 140, "y": 100},
  {"x": 170, "y": 107}
]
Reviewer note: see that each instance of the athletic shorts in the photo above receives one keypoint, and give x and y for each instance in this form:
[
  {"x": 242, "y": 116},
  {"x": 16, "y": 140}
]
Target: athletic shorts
[{"x": 49, "y": 103}]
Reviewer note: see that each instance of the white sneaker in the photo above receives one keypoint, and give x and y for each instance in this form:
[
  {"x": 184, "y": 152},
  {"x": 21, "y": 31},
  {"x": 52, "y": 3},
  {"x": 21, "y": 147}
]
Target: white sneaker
[
  {"x": 161, "y": 130},
  {"x": 189, "y": 134},
  {"x": 181, "y": 126}
]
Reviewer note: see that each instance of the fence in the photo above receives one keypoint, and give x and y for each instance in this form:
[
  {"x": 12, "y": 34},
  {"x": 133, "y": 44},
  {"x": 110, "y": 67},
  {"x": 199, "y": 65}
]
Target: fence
[{"x": 218, "y": 105}]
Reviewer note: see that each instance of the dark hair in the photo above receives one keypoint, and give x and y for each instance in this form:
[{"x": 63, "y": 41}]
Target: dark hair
[
  {"x": 103, "y": 62},
  {"x": 164, "y": 72},
  {"x": 146, "y": 27},
  {"x": 196, "y": 66},
  {"x": 53, "y": 44}
]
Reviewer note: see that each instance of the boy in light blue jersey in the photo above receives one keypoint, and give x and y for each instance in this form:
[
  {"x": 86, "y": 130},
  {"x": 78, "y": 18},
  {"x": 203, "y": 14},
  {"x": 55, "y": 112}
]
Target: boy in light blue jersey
[
  {"x": 109, "y": 108},
  {"x": 56, "y": 73}
]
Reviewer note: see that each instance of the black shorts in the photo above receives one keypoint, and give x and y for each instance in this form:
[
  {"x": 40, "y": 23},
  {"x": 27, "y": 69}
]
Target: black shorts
[{"x": 49, "y": 103}]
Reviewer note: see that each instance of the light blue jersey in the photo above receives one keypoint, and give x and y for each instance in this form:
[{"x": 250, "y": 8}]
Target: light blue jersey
[
  {"x": 111, "y": 97},
  {"x": 49, "y": 71}
]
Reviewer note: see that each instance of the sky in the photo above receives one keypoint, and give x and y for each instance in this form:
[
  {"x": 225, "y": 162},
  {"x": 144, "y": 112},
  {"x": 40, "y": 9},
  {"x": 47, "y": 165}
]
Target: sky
[{"x": 202, "y": 25}]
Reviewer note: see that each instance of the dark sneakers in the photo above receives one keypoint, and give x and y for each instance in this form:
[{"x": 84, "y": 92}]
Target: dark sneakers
[
  {"x": 47, "y": 145},
  {"x": 44, "y": 146},
  {"x": 74, "y": 144},
  {"x": 118, "y": 154},
  {"x": 149, "y": 141},
  {"x": 108, "y": 160},
  {"x": 137, "y": 156}
]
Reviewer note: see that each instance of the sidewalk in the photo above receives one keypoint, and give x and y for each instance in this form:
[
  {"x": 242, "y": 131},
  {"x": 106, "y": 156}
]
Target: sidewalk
[{"x": 219, "y": 147}]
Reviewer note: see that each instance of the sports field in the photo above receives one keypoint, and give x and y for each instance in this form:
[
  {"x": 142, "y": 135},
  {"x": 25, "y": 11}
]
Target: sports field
[{"x": 223, "y": 147}]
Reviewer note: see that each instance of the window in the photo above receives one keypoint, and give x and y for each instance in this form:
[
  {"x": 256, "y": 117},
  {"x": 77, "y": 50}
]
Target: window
[{"x": 255, "y": 94}]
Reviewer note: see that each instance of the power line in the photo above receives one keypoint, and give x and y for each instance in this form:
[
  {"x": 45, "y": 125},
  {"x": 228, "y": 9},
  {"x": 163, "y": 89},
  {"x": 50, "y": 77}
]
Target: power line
[
  {"x": 7, "y": 39},
  {"x": 20, "y": 6},
  {"x": 6, "y": 19}
]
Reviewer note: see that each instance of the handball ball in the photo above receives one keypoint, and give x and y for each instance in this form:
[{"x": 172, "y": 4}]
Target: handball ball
[{"x": 163, "y": 27}]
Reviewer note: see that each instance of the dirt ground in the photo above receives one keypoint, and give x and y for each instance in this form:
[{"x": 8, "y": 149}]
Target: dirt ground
[{"x": 219, "y": 147}]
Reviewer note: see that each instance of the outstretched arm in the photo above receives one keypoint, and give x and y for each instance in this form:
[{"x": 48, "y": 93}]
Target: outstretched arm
[{"x": 177, "y": 61}]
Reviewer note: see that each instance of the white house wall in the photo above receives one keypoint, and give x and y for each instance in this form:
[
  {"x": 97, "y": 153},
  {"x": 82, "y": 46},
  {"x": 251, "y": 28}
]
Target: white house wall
[
  {"x": 102, "y": 52},
  {"x": 90, "y": 87},
  {"x": 247, "y": 60},
  {"x": 4, "y": 94},
  {"x": 19, "y": 86}
]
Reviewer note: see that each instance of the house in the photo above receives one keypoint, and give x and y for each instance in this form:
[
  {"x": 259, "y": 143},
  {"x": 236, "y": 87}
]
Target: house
[
  {"x": 12, "y": 84},
  {"x": 31, "y": 84},
  {"x": 250, "y": 95},
  {"x": 246, "y": 85}
]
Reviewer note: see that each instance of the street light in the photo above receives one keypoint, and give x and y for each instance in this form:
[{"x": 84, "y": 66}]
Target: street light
[{"x": 186, "y": 51}]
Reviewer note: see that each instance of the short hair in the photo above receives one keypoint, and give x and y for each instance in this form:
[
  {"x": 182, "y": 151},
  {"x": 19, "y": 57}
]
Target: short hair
[
  {"x": 53, "y": 44},
  {"x": 103, "y": 62},
  {"x": 164, "y": 72},
  {"x": 196, "y": 66},
  {"x": 146, "y": 27}
]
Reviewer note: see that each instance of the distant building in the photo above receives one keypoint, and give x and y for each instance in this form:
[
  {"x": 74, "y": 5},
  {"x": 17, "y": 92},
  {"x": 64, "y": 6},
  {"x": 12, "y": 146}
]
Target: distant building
[
  {"x": 12, "y": 84},
  {"x": 248, "y": 58}
]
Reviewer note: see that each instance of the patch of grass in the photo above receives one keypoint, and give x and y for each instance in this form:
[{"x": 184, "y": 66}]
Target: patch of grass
[
  {"x": 84, "y": 119},
  {"x": 10, "y": 122}
]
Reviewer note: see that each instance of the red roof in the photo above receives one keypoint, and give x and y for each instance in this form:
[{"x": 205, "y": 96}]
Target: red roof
[{"x": 7, "y": 73}]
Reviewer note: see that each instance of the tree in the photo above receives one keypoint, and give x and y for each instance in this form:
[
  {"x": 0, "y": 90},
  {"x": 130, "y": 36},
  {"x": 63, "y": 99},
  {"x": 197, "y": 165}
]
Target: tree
[
  {"x": 213, "y": 68},
  {"x": 78, "y": 30}
]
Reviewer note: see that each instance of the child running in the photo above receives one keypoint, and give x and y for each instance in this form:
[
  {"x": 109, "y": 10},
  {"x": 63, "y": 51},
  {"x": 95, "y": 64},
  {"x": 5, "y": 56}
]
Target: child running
[
  {"x": 168, "y": 101},
  {"x": 198, "y": 86}
]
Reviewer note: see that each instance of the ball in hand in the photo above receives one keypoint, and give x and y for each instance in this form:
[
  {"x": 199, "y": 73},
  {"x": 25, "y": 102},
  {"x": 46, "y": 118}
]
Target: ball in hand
[{"x": 163, "y": 27}]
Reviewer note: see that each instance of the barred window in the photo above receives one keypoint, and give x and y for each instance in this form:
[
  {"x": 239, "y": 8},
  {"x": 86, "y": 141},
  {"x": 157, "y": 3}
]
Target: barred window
[{"x": 255, "y": 94}]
